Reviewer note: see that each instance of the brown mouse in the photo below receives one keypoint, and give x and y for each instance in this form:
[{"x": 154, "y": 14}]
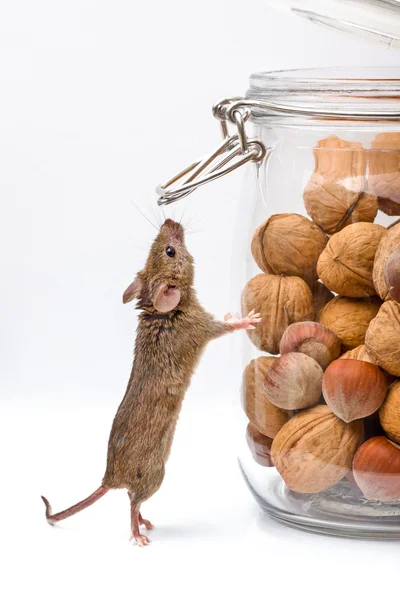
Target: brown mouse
[{"x": 172, "y": 333}]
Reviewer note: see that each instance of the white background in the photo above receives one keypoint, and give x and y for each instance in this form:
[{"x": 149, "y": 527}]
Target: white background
[{"x": 100, "y": 101}]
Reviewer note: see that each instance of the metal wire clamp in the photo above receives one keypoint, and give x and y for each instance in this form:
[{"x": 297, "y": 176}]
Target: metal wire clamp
[{"x": 234, "y": 151}]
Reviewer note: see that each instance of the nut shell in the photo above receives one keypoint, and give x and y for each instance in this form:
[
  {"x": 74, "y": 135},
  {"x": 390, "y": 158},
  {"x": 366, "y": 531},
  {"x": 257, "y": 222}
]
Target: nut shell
[
  {"x": 384, "y": 171},
  {"x": 265, "y": 416},
  {"x": 259, "y": 445},
  {"x": 281, "y": 301},
  {"x": 345, "y": 266},
  {"x": 289, "y": 244},
  {"x": 315, "y": 449},
  {"x": 388, "y": 244},
  {"x": 349, "y": 318},
  {"x": 334, "y": 197},
  {"x": 321, "y": 296},
  {"x": 382, "y": 340},
  {"x": 359, "y": 353},
  {"x": 294, "y": 381},
  {"x": 376, "y": 469},
  {"x": 392, "y": 275},
  {"x": 353, "y": 389},
  {"x": 313, "y": 339},
  {"x": 389, "y": 413}
]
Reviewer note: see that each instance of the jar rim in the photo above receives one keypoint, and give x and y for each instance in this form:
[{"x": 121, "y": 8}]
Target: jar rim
[
  {"x": 328, "y": 78},
  {"x": 370, "y": 91}
]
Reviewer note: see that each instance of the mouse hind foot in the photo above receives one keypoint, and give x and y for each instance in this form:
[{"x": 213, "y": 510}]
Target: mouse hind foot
[
  {"x": 140, "y": 539},
  {"x": 145, "y": 522},
  {"x": 137, "y": 520}
]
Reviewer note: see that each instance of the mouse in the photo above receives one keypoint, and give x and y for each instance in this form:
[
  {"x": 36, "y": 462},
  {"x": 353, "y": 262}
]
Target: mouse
[{"x": 172, "y": 333}]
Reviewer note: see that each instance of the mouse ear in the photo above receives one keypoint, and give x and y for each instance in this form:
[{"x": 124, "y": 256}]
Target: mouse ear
[
  {"x": 166, "y": 298},
  {"x": 133, "y": 291}
]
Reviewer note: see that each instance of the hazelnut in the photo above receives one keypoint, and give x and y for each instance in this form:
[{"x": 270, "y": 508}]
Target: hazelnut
[
  {"x": 289, "y": 244},
  {"x": 345, "y": 266},
  {"x": 349, "y": 318},
  {"x": 392, "y": 275},
  {"x": 361, "y": 353},
  {"x": 384, "y": 168},
  {"x": 388, "y": 244},
  {"x": 334, "y": 196},
  {"x": 266, "y": 417},
  {"x": 315, "y": 449},
  {"x": 321, "y": 296},
  {"x": 382, "y": 339},
  {"x": 313, "y": 339},
  {"x": 281, "y": 301},
  {"x": 260, "y": 446},
  {"x": 293, "y": 381},
  {"x": 353, "y": 389},
  {"x": 376, "y": 469},
  {"x": 389, "y": 413}
]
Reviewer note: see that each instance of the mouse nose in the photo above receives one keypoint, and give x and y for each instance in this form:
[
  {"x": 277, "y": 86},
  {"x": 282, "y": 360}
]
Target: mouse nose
[
  {"x": 170, "y": 223},
  {"x": 175, "y": 228}
]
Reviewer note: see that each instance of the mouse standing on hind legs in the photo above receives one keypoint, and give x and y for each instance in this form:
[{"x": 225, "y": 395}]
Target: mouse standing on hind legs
[{"x": 172, "y": 333}]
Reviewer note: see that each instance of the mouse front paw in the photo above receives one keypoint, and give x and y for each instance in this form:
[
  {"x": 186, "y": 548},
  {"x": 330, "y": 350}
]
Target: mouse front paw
[{"x": 239, "y": 322}]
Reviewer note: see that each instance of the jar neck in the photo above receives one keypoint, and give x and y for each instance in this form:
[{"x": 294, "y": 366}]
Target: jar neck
[{"x": 364, "y": 94}]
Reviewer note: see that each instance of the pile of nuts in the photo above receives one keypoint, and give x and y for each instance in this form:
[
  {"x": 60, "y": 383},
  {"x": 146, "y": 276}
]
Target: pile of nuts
[{"x": 324, "y": 400}]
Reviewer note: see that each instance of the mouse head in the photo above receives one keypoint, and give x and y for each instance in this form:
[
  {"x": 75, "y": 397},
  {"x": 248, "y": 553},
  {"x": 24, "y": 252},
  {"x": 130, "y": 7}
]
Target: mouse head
[{"x": 167, "y": 277}]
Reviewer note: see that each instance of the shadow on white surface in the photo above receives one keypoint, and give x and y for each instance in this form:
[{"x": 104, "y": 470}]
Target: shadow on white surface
[{"x": 210, "y": 541}]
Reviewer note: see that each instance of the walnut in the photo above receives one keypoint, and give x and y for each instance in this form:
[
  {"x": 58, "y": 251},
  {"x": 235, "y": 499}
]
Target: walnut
[
  {"x": 393, "y": 224},
  {"x": 388, "y": 244},
  {"x": 349, "y": 318},
  {"x": 267, "y": 418},
  {"x": 281, "y": 301},
  {"x": 321, "y": 296},
  {"x": 359, "y": 353},
  {"x": 345, "y": 266},
  {"x": 259, "y": 446},
  {"x": 315, "y": 449},
  {"x": 382, "y": 340},
  {"x": 389, "y": 413},
  {"x": 384, "y": 171},
  {"x": 288, "y": 244},
  {"x": 392, "y": 275},
  {"x": 335, "y": 197}
]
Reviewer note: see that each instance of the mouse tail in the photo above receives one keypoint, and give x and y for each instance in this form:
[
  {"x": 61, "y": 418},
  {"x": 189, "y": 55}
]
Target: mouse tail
[{"x": 75, "y": 508}]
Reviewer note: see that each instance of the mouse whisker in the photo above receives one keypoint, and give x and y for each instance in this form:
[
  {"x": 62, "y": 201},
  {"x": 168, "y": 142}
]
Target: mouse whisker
[
  {"x": 190, "y": 223},
  {"x": 156, "y": 215},
  {"x": 193, "y": 232},
  {"x": 183, "y": 214},
  {"x": 144, "y": 216},
  {"x": 163, "y": 213}
]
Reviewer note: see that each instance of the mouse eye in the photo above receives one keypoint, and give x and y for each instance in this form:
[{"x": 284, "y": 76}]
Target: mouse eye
[{"x": 170, "y": 251}]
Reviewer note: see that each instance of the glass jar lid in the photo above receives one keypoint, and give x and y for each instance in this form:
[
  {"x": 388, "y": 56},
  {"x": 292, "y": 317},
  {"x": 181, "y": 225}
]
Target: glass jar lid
[{"x": 377, "y": 20}]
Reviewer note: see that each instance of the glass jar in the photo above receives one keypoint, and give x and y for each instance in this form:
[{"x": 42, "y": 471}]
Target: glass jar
[
  {"x": 317, "y": 254},
  {"x": 319, "y": 257},
  {"x": 373, "y": 20}
]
